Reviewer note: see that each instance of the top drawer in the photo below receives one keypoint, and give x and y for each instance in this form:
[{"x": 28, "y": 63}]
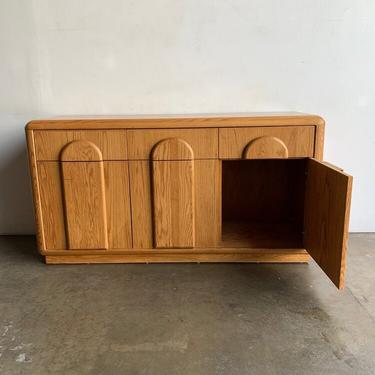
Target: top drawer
[
  {"x": 298, "y": 140},
  {"x": 49, "y": 143},
  {"x": 204, "y": 142}
]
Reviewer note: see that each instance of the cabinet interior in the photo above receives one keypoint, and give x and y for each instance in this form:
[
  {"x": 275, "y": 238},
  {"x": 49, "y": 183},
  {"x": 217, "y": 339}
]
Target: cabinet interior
[{"x": 263, "y": 203}]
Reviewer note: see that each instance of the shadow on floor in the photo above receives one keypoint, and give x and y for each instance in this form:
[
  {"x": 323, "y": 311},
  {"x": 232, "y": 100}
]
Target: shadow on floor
[{"x": 19, "y": 248}]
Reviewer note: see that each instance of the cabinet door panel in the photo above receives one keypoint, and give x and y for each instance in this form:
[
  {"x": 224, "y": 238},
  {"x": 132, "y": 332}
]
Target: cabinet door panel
[
  {"x": 117, "y": 199},
  {"x": 118, "y": 204},
  {"x": 173, "y": 198},
  {"x": 140, "y": 190},
  {"x": 85, "y": 206},
  {"x": 327, "y": 206},
  {"x": 207, "y": 200},
  {"x": 52, "y": 206}
]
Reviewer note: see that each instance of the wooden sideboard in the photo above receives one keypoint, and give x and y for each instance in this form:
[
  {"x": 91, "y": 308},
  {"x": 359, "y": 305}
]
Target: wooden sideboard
[{"x": 200, "y": 188}]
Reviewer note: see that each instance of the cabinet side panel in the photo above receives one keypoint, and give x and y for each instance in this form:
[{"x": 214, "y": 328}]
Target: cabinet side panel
[
  {"x": 319, "y": 141},
  {"x": 35, "y": 188},
  {"x": 52, "y": 205},
  {"x": 173, "y": 199},
  {"x": 207, "y": 202},
  {"x": 118, "y": 204},
  {"x": 85, "y": 206},
  {"x": 140, "y": 192}
]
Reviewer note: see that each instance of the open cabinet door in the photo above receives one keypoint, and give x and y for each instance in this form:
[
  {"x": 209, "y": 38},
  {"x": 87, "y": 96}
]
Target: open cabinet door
[{"x": 327, "y": 206}]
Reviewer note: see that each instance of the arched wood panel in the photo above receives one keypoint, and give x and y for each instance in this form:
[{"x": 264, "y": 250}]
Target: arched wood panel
[
  {"x": 172, "y": 149},
  {"x": 265, "y": 148},
  {"x": 173, "y": 195},
  {"x": 84, "y": 196},
  {"x": 81, "y": 151}
]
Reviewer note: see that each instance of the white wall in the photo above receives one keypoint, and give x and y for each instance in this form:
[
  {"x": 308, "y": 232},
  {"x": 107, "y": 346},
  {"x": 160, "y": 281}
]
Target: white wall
[{"x": 169, "y": 56}]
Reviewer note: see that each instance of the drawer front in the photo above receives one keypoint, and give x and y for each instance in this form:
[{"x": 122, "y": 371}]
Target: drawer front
[
  {"x": 111, "y": 143},
  {"x": 298, "y": 140},
  {"x": 204, "y": 142}
]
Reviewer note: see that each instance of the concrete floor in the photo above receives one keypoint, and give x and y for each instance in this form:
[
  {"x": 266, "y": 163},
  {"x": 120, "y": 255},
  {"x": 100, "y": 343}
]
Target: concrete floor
[{"x": 185, "y": 318}]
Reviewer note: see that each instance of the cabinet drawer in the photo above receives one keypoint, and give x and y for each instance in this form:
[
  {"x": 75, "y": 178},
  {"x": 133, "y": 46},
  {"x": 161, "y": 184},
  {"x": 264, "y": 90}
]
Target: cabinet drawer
[
  {"x": 297, "y": 140},
  {"x": 204, "y": 142},
  {"x": 49, "y": 143}
]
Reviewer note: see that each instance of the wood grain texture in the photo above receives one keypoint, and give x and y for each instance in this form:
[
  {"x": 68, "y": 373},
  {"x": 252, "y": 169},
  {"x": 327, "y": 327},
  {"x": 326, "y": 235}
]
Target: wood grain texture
[
  {"x": 299, "y": 140},
  {"x": 117, "y": 204},
  {"x": 261, "y": 235},
  {"x": 172, "y": 149},
  {"x": 173, "y": 203},
  {"x": 204, "y": 142},
  {"x": 263, "y": 190},
  {"x": 319, "y": 140},
  {"x": 117, "y": 196},
  {"x": 178, "y": 121},
  {"x": 52, "y": 205},
  {"x": 81, "y": 151},
  {"x": 259, "y": 257},
  {"x": 141, "y": 195},
  {"x": 207, "y": 203},
  {"x": 265, "y": 148},
  {"x": 327, "y": 206},
  {"x": 33, "y": 168},
  {"x": 111, "y": 143},
  {"x": 85, "y": 206},
  {"x": 208, "y": 250}
]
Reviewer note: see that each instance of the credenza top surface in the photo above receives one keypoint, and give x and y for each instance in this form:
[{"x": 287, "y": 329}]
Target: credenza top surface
[{"x": 177, "y": 121}]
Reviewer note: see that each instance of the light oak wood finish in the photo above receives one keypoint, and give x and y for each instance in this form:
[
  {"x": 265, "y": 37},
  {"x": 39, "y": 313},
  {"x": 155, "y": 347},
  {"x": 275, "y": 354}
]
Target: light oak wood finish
[
  {"x": 173, "y": 198},
  {"x": 117, "y": 205},
  {"x": 207, "y": 203},
  {"x": 260, "y": 257},
  {"x": 173, "y": 194},
  {"x": 40, "y": 237},
  {"x": 81, "y": 151},
  {"x": 265, "y": 148},
  {"x": 117, "y": 194},
  {"x": 141, "y": 202},
  {"x": 204, "y": 142},
  {"x": 169, "y": 181},
  {"x": 52, "y": 205},
  {"x": 298, "y": 140},
  {"x": 178, "y": 121},
  {"x": 111, "y": 143},
  {"x": 172, "y": 149},
  {"x": 85, "y": 206},
  {"x": 180, "y": 251},
  {"x": 84, "y": 196},
  {"x": 328, "y": 193},
  {"x": 319, "y": 141}
]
